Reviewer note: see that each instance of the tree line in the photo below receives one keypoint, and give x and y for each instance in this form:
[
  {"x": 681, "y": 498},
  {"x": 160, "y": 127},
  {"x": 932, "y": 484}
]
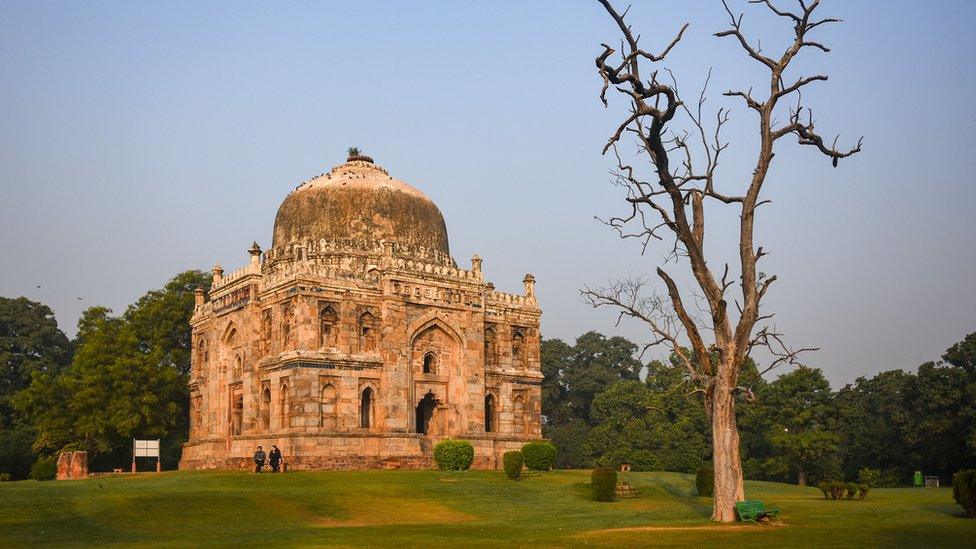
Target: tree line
[
  {"x": 122, "y": 376},
  {"x": 603, "y": 406},
  {"x": 125, "y": 376}
]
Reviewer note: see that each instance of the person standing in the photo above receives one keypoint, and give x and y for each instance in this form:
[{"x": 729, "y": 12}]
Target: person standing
[
  {"x": 259, "y": 457},
  {"x": 274, "y": 458}
]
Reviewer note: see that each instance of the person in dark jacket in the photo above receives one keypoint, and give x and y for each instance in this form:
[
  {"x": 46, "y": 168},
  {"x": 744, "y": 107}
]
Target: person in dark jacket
[
  {"x": 274, "y": 458},
  {"x": 259, "y": 460}
]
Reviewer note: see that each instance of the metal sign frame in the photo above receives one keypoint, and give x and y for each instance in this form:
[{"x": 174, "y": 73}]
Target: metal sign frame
[{"x": 145, "y": 448}]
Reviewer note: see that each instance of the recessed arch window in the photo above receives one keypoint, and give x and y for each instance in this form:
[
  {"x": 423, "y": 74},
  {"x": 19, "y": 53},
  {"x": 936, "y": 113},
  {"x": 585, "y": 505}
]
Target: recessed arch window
[
  {"x": 518, "y": 415},
  {"x": 430, "y": 363},
  {"x": 366, "y": 408},
  {"x": 489, "y": 413},
  {"x": 518, "y": 350},
  {"x": 283, "y": 411},
  {"x": 328, "y": 326},
  {"x": 266, "y": 409},
  {"x": 367, "y": 332},
  {"x": 490, "y": 347},
  {"x": 327, "y": 407}
]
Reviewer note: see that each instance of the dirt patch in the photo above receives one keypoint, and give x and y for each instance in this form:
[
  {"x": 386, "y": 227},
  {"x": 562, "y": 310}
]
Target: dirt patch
[{"x": 403, "y": 511}]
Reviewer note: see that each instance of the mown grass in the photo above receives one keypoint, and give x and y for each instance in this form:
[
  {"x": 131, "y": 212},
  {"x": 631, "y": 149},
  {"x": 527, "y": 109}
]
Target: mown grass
[{"x": 477, "y": 508}]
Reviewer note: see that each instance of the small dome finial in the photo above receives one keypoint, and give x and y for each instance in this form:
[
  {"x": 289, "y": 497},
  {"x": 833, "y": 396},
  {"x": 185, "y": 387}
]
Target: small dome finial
[{"x": 356, "y": 155}]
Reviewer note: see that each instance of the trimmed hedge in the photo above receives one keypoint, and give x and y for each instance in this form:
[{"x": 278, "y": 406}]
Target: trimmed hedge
[
  {"x": 453, "y": 455},
  {"x": 513, "y": 464},
  {"x": 45, "y": 468},
  {"x": 964, "y": 490},
  {"x": 603, "y": 484},
  {"x": 838, "y": 489},
  {"x": 539, "y": 456},
  {"x": 705, "y": 481}
]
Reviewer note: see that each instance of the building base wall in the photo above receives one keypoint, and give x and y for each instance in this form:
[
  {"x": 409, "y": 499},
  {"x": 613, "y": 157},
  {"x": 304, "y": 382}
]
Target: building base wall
[{"x": 352, "y": 451}]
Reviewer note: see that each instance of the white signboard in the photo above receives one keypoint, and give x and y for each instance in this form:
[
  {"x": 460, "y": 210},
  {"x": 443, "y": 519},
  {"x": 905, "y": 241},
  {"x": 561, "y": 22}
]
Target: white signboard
[{"x": 146, "y": 448}]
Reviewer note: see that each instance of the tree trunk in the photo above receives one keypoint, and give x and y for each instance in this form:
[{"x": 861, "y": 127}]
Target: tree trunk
[
  {"x": 801, "y": 477},
  {"x": 725, "y": 455}
]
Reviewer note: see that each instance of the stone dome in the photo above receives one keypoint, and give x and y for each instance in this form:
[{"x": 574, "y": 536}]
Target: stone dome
[{"x": 358, "y": 205}]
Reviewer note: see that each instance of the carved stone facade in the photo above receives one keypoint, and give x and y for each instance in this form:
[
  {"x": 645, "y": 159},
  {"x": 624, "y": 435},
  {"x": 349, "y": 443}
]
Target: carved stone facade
[{"x": 356, "y": 342}]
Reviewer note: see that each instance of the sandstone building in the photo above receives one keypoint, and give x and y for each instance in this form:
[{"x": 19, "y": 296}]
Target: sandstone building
[{"x": 355, "y": 341}]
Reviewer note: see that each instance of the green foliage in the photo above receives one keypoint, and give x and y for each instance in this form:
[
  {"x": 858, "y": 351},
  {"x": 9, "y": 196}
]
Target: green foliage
[
  {"x": 800, "y": 422},
  {"x": 837, "y": 489},
  {"x": 16, "y": 455},
  {"x": 453, "y": 455},
  {"x": 353, "y": 151},
  {"x": 539, "y": 455},
  {"x": 603, "y": 484},
  {"x": 705, "y": 481},
  {"x": 30, "y": 344},
  {"x": 128, "y": 377},
  {"x": 964, "y": 491},
  {"x": 45, "y": 468},
  {"x": 648, "y": 428},
  {"x": 5, "y": 477},
  {"x": 513, "y": 464},
  {"x": 870, "y": 477},
  {"x": 574, "y": 375}
]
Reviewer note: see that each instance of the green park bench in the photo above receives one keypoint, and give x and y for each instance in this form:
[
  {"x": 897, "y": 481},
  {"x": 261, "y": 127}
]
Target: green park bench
[{"x": 752, "y": 510}]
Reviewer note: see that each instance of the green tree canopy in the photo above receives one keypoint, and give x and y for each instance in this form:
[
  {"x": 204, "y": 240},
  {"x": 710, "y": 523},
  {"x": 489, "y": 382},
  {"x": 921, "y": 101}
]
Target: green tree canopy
[
  {"x": 30, "y": 342},
  {"x": 128, "y": 378}
]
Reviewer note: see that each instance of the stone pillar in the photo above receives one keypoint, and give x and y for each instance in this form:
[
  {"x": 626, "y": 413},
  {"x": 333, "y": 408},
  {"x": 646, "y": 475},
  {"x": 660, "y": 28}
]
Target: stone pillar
[
  {"x": 72, "y": 465},
  {"x": 255, "y": 252},
  {"x": 218, "y": 274},
  {"x": 79, "y": 465},
  {"x": 529, "y": 282},
  {"x": 199, "y": 297},
  {"x": 64, "y": 466}
]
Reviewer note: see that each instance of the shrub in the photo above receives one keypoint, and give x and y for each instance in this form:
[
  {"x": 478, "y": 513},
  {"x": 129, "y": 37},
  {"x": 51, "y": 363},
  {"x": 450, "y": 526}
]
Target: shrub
[
  {"x": 705, "y": 480},
  {"x": 45, "y": 468},
  {"x": 453, "y": 455},
  {"x": 539, "y": 456},
  {"x": 871, "y": 477},
  {"x": 851, "y": 489},
  {"x": 4, "y": 477},
  {"x": 513, "y": 464},
  {"x": 603, "y": 484},
  {"x": 824, "y": 487},
  {"x": 862, "y": 490},
  {"x": 837, "y": 489},
  {"x": 964, "y": 490}
]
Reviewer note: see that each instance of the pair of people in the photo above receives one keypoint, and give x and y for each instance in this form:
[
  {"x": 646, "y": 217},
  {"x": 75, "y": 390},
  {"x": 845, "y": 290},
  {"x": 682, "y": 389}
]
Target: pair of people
[{"x": 274, "y": 459}]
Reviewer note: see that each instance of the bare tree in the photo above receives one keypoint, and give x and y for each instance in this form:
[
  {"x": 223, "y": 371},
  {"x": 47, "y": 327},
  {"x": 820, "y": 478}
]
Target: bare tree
[{"x": 669, "y": 204}]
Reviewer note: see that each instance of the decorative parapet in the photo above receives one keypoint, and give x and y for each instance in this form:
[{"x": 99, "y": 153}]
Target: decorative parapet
[
  {"x": 341, "y": 246},
  {"x": 510, "y": 300},
  {"x": 253, "y": 268}
]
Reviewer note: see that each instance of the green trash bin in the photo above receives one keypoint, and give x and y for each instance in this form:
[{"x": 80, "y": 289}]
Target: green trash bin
[{"x": 919, "y": 480}]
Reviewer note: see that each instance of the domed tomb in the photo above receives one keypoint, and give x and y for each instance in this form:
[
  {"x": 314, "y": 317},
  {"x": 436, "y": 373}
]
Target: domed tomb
[{"x": 357, "y": 206}]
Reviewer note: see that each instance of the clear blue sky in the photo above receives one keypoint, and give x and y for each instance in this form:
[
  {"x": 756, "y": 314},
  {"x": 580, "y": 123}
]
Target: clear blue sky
[{"x": 140, "y": 139}]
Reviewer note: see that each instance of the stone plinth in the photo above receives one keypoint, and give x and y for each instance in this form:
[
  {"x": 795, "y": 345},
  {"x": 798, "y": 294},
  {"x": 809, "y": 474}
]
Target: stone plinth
[{"x": 72, "y": 465}]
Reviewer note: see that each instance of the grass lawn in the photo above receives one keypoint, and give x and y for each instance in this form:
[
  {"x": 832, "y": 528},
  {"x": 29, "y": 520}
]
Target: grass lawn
[{"x": 476, "y": 508}]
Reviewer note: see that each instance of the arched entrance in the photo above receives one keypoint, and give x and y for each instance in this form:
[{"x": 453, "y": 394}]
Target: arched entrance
[{"x": 425, "y": 411}]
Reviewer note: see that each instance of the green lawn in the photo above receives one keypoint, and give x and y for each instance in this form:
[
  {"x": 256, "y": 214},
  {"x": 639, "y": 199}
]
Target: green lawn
[{"x": 407, "y": 508}]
